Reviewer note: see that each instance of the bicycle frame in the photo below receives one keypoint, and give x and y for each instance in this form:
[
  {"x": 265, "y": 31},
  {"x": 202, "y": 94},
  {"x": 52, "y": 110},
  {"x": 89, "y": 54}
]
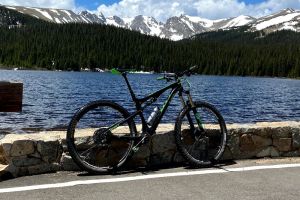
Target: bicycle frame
[{"x": 149, "y": 100}]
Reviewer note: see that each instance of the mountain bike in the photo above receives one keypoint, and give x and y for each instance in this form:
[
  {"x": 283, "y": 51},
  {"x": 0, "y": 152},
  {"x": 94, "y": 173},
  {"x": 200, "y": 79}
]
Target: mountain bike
[{"x": 102, "y": 135}]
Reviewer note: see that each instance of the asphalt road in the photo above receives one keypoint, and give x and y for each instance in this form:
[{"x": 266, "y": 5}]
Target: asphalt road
[{"x": 255, "y": 179}]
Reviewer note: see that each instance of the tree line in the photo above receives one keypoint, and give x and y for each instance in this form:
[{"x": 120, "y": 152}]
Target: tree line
[{"x": 39, "y": 44}]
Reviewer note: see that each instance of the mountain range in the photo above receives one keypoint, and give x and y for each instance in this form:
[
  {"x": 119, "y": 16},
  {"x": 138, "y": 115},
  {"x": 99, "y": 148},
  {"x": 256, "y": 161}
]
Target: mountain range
[{"x": 175, "y": 28}]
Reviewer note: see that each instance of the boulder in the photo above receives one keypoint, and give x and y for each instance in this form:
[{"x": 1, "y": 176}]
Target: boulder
[
  {"x": 274, "y": 152},
  {"x": 283, "y": 144},
  {"x": 21, "y": 148},
  {"x": 25, "y": 161},
  {"x": 50, "y": 150},
  {"x": 249, "y": 142},
  {"x": 3, "y": 159},
  {"x": 67, "y": 163},
  {"x": 264, "y": 153},
  {"x": 282, "y": 132}
]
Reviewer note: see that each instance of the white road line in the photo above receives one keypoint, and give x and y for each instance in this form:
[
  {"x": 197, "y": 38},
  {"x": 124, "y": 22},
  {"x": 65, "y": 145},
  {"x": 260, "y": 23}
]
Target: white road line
[{"x": 145, "y": 177}]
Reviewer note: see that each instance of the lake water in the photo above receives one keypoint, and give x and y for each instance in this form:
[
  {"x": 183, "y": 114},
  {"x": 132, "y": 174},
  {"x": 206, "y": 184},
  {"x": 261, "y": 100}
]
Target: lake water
[{"x": 51, "y": 98}]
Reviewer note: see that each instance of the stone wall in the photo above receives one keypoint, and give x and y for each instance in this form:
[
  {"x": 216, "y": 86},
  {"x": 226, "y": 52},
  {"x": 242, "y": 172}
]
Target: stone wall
[{"x": 45, "y": 152}]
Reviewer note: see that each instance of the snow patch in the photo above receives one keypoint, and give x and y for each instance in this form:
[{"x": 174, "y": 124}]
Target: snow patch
[
  {"x": 289, "y": 26},
  {"x": 57, "y": 20},
  {"x": 9, "y": 7},
  {"x": 204, "y": 22},
  {"x": 55, "y": 11},
  {"x": 112, "y": 22},
  {"x": 191, "y": 27},
  {"x": 64, "y": 20},
  {"x": 176, "y": 37},
  {"x": 68, "y": 13},
  {"x": 44, "y": 13},
  {"x": 172, "y": 30},
  {"x": 155, "y": 28},
  {"x": 128, "y": 20},
  {"x": 276, "y": 20},
  {"x": 84, "y": 19},
  {"x": 238, "y": 21},
  {"x": 36, "y": 16}
]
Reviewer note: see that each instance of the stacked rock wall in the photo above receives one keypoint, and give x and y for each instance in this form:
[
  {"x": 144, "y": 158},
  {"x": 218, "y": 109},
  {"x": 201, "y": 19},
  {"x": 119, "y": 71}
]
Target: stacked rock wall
[{"x": 44, "y": 152}]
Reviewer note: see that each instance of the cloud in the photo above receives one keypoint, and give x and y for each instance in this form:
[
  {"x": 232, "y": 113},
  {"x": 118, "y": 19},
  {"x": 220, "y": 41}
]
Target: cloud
[
  {"x": 212, "y": 9},
  {"x": 63, "y": 4}
]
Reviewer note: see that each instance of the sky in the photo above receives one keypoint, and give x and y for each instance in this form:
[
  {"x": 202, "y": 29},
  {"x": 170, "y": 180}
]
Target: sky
[{"x": 163, "y": 9}]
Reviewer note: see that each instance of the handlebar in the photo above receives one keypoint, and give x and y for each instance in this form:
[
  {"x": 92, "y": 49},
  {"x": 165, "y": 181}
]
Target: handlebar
[
  {"x": 175, "y": 76},
  {"x": 188, "y": 72},
  {"x": 167, "y": 77}
]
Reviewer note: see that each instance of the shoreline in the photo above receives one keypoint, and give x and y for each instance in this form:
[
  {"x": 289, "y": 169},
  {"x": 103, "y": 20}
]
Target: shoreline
[
  {"x": 144, "y": 72},
  {"x": 161, "y": 128}
]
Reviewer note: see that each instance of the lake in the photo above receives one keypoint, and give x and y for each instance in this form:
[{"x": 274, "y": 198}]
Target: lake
[{"x": 51, "y": 98}]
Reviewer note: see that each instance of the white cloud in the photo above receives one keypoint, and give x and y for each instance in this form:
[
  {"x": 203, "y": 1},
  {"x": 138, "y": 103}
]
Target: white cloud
[
  {"x": 212, "y": 9},
  {"x": 63, "y": 4}
]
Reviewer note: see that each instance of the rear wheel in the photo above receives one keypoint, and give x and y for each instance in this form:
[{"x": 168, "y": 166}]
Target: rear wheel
[
  {"x": 93, "y": 136},
  {"x": 200, "y": 134}
]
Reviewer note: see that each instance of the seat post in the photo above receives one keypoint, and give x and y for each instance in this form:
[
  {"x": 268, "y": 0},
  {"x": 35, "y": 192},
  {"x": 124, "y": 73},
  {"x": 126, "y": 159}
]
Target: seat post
[{"x": 124, "y": 74}]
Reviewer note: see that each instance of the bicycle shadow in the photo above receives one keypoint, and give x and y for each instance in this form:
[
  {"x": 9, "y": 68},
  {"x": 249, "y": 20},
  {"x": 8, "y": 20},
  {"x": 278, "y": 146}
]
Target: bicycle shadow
[{"x": 148, "y": 170}]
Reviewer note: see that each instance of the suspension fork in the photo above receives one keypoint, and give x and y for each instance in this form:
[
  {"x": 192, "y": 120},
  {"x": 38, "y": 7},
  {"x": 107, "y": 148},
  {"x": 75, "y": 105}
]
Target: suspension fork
[
  {"x": 196, "y": 114},
  {"x": 188, "y": 114}
]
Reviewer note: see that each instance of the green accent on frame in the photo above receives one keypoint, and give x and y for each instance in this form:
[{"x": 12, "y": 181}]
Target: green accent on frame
[
  {"x": 166, "y": 102},
  {"x": 114, "y": 127},
  {"x": 199, "y": 120},
  {"x": 115, "y": 71}
]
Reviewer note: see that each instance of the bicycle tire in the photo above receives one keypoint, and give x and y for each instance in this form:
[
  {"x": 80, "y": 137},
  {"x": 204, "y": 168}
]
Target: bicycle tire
[
  {"x": 203, "y": 147},
  {"x": 86, "y": 128}
]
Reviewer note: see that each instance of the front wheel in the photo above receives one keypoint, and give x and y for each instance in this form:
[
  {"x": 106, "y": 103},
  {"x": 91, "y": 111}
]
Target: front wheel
[
  {"x": 200, "y": 134},
  {"x": 96, "y": 139}
]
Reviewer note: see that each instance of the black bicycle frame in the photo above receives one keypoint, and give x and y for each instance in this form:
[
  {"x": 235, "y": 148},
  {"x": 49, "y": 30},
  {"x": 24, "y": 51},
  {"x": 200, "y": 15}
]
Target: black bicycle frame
[{"x": 149, "y": 100}]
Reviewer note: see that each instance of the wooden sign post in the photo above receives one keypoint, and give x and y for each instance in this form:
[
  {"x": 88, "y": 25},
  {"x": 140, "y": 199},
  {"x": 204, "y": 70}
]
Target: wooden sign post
[{"x": 11, "y": 96}]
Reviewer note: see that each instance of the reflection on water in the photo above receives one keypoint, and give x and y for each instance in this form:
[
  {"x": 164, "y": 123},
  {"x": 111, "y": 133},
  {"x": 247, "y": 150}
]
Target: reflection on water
[{"x": 51, "y": 98}]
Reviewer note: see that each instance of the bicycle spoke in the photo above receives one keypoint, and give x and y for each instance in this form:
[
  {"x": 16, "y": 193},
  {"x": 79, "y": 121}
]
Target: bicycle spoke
[{"x": 88, "y": 150}]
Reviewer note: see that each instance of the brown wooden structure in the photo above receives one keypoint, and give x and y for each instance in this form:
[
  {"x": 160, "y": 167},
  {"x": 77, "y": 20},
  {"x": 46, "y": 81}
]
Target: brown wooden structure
[{"x": 11, "y": 96}]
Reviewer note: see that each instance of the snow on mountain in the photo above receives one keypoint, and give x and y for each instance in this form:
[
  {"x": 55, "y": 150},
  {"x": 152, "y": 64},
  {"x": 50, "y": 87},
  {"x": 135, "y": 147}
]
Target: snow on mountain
[
  {"x": 241, "y": 20},
  {"x": 198, "y": 20},
  {"x": 175, "y": 28},
  {"x": 287, "y": 19},
  {"x": 146, "y": 25},
  {"x": 184, "y": 26},
  {"x": 57, "y": 15},
  {"x": 92, "y": 18},
  {"x": 115, "y": 21},
  {"x": 143, "y": 24}
]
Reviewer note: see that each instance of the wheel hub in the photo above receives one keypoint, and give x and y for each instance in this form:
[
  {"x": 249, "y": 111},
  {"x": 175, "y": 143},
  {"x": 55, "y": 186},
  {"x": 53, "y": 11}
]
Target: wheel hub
[{"x": 101, "y": 136}]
